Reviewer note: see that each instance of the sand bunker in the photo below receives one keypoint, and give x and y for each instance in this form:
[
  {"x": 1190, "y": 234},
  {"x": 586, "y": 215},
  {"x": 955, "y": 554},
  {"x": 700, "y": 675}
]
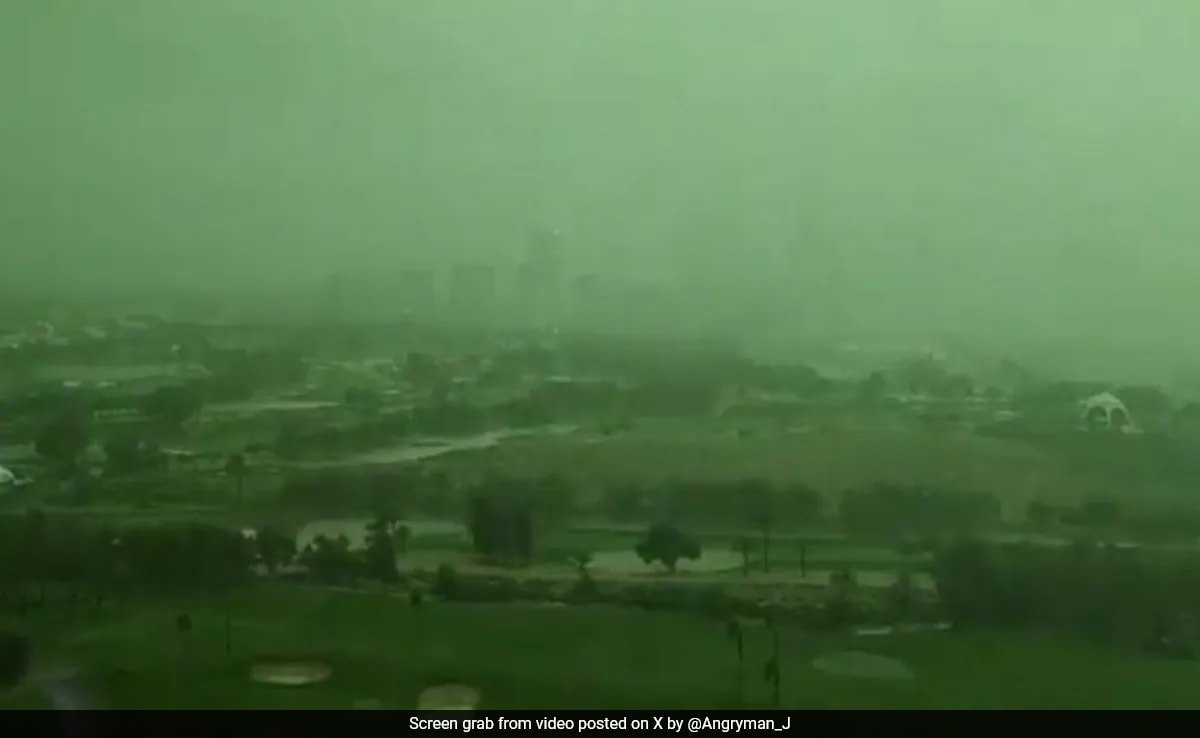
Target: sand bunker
[
  {"x": 863, "y": 666},
  {"x": 449, "y": 697},
  {"x": 253, "y": 407},
  {"x": 885, "y": 630},
  {"x": 628, "y": 562},
  {"x": 290, "y": 673}
]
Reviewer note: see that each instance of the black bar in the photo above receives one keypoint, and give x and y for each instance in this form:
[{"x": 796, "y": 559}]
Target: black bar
[
  {"x": 391, "y": 723},
  {"x": 328, "y": 724}
]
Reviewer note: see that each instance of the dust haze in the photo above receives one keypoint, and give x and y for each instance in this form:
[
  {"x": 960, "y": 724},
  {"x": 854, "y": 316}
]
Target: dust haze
[
  {"x": 475, "y": 355},
  {"x": 1011, "y": 173}
]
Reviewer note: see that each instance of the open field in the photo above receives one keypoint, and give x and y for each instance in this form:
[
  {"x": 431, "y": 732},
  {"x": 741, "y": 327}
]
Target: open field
[
  {"x": 379, "y": 650},
  {"x": 828, "y": 460}
]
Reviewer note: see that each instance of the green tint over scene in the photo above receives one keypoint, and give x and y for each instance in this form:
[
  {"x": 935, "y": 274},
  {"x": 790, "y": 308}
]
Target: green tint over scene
[{"x": 566, "y": 354}]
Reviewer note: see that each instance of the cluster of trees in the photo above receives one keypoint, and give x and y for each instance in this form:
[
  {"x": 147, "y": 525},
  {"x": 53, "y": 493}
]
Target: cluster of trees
[
  {"x": 333, "y": 560},
  {"x": 1098, "y": 590},
  {"x": 668, "y": 544},
  {"x": 38, "y": 550},
  {"x": 800, "y": 380},
  {"x": 68, "y": 431},
  {"x": 130, "y": 453},
  {"x": 174, "y": 405},
  {"x": 502, "y": 527},
  {"x": 236, "y": 374},
  {"x": 1146, "y": 521},
  {"x": 923, "y": 375},
  {"x": 65, "y": 437},
  {"x": 898, "y": 510},
  {"x": 421, "y": 370},
  {"x": 753, "y": 500},
  {"x": 296, "y": 438},
  {"x": 505, "y": 515}
]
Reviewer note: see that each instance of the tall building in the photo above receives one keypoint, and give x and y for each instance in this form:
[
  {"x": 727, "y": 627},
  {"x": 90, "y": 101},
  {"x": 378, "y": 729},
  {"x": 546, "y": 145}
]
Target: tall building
[
  {"x": 416, "y": 292},
  {"x": 538, "y": 298},
  {"x": 472, "y": 294},
  {"x": 587, "y": 302}
]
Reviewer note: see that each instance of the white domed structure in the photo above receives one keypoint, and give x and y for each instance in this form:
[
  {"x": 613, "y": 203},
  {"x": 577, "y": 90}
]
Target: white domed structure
[
  {"x": 7, "y": 478},
  {"x": 1105, "y": 411}
]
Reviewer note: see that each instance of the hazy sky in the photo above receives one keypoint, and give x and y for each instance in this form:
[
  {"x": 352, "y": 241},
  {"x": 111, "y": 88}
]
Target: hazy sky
[{"x": 992, "y": 165}]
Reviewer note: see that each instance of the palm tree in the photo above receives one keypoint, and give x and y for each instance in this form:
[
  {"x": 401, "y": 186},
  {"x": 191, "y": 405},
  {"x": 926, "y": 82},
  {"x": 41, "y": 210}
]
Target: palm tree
[
  {"x": 766, "y": 537},
  {"x": 235, "y": 467},
  {"x": 743, "y": 545},
  {"x": 758, "y": 494},
  {"x": 771, "y": 668},
  {"x": 585, "y": 586},
  {"x": 734, "y": 632}
]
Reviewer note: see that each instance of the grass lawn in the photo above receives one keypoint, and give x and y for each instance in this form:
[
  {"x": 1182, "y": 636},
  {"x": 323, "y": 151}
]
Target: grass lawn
[
  {"x": 829, "y": 460},
  {"x": 382, "y": 649}
]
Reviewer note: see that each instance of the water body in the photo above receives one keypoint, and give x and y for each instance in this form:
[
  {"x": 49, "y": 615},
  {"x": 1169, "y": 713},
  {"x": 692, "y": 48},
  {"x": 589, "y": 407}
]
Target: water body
[{"x": 421, "y": 449}]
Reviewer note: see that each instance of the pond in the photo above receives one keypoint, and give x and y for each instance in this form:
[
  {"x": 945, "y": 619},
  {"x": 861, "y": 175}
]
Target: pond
[
  {"x": 427, "y": 448},
  {"x": 628, "y": 562}
]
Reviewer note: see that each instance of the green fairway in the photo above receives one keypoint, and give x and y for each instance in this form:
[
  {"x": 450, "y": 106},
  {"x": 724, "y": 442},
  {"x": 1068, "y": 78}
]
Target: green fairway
[{"x": 380, "y": 650}]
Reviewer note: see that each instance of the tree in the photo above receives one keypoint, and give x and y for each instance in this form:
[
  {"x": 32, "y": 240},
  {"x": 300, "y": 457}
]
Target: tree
[
  {"x": 666, "y": 543},
  {"x": 330, "y": 559},
  {"x": 233, "y": 560},
  {"x": 552, "y": 499},
  {"x": 841, "y": 587},
  {"x": 445, "y": 581},
  {"x": 581, "y": 560},
  {"x": 421, "y": 369},
  {"x": 381, "y": 552},
  {"x": 501, "y": 523},
  {"x": 15, "y": 658},
  {"x": 235, "y": 468},
  {"x": 127, "y": 454},
  {"x": 759, "y": 499},
  {"x": 771, "y": 671},
  {"x": 873, "y": 388},
  {"x": 365, "y": 401},
  {"x": 734, "y": 632},
  {"x": 401, "y": 535},
  {"x": 1146, "y": 402},
  {"x": 901, "y": 594},
  {"x": 585, "y": 586},
  {"x": 63, "y": 439},
  {"x": 275, "y": 548},
  {"x": 173, "y": 405}
]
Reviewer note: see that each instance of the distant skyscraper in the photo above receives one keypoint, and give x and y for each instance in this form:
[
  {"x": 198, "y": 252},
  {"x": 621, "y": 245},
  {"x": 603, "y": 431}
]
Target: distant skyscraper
[
  {"x": 588, "y": 302},
  {"x": 416, "y": 292},
  {"x": 540, "y": 280},
  {"x": 472, "y": 297}
]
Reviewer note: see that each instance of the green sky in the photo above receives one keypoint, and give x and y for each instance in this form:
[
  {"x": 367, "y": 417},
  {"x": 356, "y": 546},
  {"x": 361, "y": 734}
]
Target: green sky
[{"x": 994, "y": 165}]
